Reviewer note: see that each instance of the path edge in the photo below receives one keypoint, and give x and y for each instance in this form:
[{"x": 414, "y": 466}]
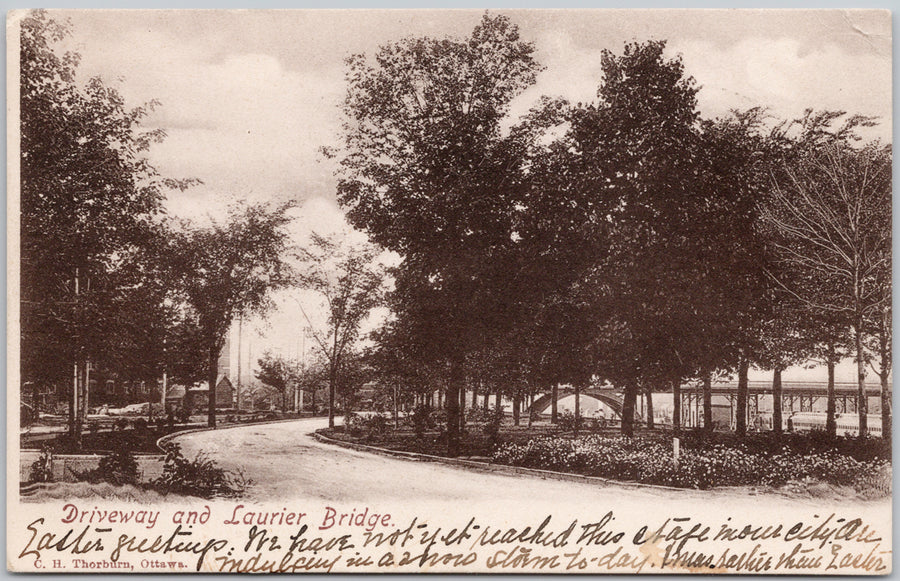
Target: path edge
[{"x": 479, "y": 466}]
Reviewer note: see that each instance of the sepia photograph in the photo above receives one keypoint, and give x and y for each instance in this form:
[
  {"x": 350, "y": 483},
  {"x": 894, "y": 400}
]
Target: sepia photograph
[{"x": 449, "y": 291}]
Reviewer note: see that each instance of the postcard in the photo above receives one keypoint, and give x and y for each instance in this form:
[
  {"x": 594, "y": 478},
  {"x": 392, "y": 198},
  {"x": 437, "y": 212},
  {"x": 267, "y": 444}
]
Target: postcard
[{"x": 449, "y": 291}]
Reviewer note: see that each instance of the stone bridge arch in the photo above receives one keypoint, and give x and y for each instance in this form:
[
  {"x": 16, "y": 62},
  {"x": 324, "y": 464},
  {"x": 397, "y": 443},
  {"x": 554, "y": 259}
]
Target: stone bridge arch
[{"x": 612, "y": 399}]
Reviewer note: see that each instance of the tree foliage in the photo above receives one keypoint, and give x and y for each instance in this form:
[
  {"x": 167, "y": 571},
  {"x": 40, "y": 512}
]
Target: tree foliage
[
  {"x": 829, "y": 215},
  {"x": 279, "y": 373},
  {"x": 92, "y": 288},
  {"x": 427, "y": 173},
  {"x": 229, "y": 269},
  {"x": 351, "y": 282}
]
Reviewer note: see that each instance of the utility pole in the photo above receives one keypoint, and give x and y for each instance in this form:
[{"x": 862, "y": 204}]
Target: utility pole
[
  {"x": 165, "y": 381},
  {"x": 87, "y": 386},
  {"x": 249, "y": 355},
  {"x": 74, "y": 410},
  {"x": 165, "y": 387},
  {"x": 240, "y": 332}
]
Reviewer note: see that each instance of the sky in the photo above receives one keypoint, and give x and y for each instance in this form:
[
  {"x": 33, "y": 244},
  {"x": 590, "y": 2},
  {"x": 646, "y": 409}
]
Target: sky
[{"x": 248, "y": 98}]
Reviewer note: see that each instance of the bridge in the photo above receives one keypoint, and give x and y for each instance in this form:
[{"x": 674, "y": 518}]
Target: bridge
[
  {"x": 611, "y": 397},
  {"x": 797, "y": 398}
]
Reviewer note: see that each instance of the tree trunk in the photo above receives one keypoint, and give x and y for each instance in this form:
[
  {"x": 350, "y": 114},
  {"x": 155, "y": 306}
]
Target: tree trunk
[
  {"x": 707, "y": 403},
  {"x": 884, "y": 348},
  {"x": 396, "y": 408},
  {"x": 455, "y": 383},
  {"x": 530, "y": 407},
  {"x": 211, "y": 376},
  {"x": 498, "y": 401},
  {"x": 462, "y": 410},
  {"x": 345, "y": 402},
  {"x": 332, "y": 380},
  {"x": 862, "y": 405},
  {"x": 517, "y": 402},
  {"x": 650, "y": 421},
  {"x": 75, "y": 414},
  {"x": 776, "y": 401},
  {"x": 830, "y": 407},
  {"x": 554, "y": 394},
  {"x": 628, "y": 401},
  {"x": 577, "y": 406},
  {"x": 74, "y": 406},
  {"x": 676, "y": 405},
  {"x": 886, "y": 427},
  {"x": 84, "y": 398},
  {"x": 742, "y": 394}
]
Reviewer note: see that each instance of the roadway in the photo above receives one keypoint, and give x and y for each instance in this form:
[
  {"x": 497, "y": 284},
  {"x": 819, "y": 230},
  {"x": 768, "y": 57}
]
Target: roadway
[{"x": 285, "y": 463}]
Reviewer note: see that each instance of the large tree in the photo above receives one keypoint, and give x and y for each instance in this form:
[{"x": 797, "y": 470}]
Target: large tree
[
  {"x": 828, "y": 208},
  {"x": 626, "y": 188},
  {"x": 229, "y": 269},
  {"x": 351, "y": 283},
  {"x": 426, "y": 171},
  {"x": 90, "y": 204}
]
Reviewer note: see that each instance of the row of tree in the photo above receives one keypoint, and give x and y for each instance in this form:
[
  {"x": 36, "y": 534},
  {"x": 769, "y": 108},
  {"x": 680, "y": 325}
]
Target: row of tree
[
  {"x": 626, "y": 239},
  {"x": 109, "y": 285},
  {"x": 306, "y": 384},
  {"x": 113, "y": 289}
]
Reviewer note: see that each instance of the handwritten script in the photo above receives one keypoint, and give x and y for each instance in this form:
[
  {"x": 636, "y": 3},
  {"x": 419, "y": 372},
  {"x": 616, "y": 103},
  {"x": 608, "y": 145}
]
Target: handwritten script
[{"x": 249, "y": 539}]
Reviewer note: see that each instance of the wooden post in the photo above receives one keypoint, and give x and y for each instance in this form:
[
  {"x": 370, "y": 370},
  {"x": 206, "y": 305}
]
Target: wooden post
[
  {"x": 554, "y": 395},
  {"x": 777, "y": 403}
]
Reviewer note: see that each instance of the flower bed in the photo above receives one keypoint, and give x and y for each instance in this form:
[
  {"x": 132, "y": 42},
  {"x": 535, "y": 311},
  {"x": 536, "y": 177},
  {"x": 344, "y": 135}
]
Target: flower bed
[{"x": 651, "y": 461}]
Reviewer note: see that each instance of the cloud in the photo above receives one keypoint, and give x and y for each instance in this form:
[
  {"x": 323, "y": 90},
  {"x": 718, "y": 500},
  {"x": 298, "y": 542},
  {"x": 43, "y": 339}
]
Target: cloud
[
  {"x": 249, "y": 97},
  {"x": 244, "y": 123},
  {"x": 788, "y": 76}
]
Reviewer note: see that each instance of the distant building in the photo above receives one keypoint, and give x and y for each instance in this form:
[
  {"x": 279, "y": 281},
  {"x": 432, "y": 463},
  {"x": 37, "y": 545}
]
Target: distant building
[
  {"x": 175, "y": 397},
  {"x": 197, "y": 398}
]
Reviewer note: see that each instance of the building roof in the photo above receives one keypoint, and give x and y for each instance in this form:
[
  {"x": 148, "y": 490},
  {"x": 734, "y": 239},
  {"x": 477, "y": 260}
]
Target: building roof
[{"x": 205, "y": 387}]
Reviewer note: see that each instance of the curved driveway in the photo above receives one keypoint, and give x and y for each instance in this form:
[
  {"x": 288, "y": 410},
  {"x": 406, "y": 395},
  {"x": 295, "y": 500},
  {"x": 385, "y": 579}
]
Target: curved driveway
[{"x": 286, "y": 463}]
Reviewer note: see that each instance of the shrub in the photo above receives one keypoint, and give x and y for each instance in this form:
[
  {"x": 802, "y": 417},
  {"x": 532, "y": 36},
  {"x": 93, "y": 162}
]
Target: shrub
[
  {"x": 875, "y": 484},
  {"x": 183, "y": 415},
  {"x": 377, "y": 425},
  {"x": 371, "y": 427},
  {"x": 437, "y": 419},
  {"x": 420, "y": 419},
  {"x": 42, "y": 468},
  {"x": 593, "y": 424},
  {"x": 650, "y": 461},
  {"x": 118, "y": 467},
  {"x": 353, "y": 424},
  {"x": 198, "y": 477},
  {"x": 494, "y": 418},
  {"x": 477, "y": 415},
  {"x": 566, "y": 422}
]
